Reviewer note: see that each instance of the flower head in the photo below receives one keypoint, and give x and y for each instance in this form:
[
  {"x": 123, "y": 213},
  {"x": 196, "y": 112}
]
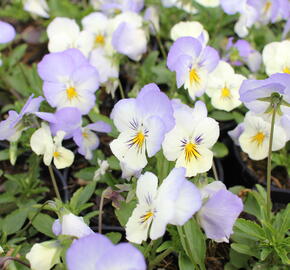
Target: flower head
[
  {"x": 223, "y": 87},
  {"x": 69, "y": 80},
  {"x": 192, "y": 62},
  {"x": 12, "y": 127},
  {"x": 143, "y": 123},
  {"x": 96, "y": 251},
  {"x": 219, "y": 211},
  {"x": 37, "y": 7},
  {"x": 7, "y": 32},
  {"x": 42, "y": 143},
  {"x": 189, "y": 141},
  {"x": 174, "y": 202}
]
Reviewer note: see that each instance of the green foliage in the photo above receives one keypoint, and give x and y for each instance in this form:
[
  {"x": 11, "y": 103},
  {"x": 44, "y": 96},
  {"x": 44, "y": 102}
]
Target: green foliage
[
  {"x": 268, "y": 240},
  {"x": 220, "y": 150}
]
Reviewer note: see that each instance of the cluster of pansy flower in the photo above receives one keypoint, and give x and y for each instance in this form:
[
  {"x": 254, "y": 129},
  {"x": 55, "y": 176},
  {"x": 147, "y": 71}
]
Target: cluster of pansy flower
[
  {"x": 175, "y": 201},
  {"x": 254, "y": 12},
  {"x": 253, "y": 134},
  {"x": 69, "y": 86}
]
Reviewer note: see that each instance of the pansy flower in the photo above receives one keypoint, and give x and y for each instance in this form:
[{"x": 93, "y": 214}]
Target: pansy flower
[
  {"x": 223, "y": 87},
  {"x": 7, "y": 32},
  {"x": 36, "y": 7},
  {"x": 276, "y": 57},
  {"x": 254, "y": 139},
  {"x": 192, "y": 63},
  {"x": 189, "y": 142},
  {"x": 174, "y": 202},
  {"x": 42, "y": 143},
  {"x": 69, "y": 80},
  {"x": 87, "y": 140},
  {"x": 12, "y": 127},
  {"x": 97, "y": 252},
  {"x": 219, "y": 211},
  {"x": 143, "y": 122}
]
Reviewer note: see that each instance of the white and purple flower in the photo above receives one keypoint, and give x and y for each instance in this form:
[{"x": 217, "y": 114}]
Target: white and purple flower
[
  {"x": 69, "y": 80},
  {"x": 96, "y": 251},
  {"x": 174, "y": 202},
  {"x": 192, "y": 62},
  {"x": 143, "y": 122}
]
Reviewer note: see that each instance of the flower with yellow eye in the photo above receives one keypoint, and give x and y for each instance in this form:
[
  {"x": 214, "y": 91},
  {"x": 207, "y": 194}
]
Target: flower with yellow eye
[
  {"x": 42, "y": 143},
  {"x": 223, "y": 87},
  {"x": 174, "y": 202},
  {"x": 192, "y": 61},
  {"x": 189, "y": 141},
  {"x": 143, "y": 123},
  {"x": 69, "y": 80},
  {"x": 254, "y": 139}
]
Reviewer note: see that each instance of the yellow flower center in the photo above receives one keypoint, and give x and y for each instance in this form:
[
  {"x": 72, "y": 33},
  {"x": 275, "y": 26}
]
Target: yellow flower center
[
  {"x": 139, "y": 140},
  {"x": 267, "y": 6},
  {"x": 225, "y": 92},
  {"x": 56, "y": 154},
  {"x": 85, "y": 135},
  {"x": 100, "y": 40},
  {"x": 71, "y": 93},
  {"x": 193, "y": 76},
  {"x": 147, "y": 216},
  {"x": 286, "y": 70},
  {"x": 191, "y": 152},
  {"x": 258, "y": 138}
]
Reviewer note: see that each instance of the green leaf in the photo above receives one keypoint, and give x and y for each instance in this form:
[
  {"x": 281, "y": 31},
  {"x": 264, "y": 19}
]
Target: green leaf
[
  {"x": 250, "y": 228},
  {"x": 193, "y": 242},
  {"x": 114, "y": 163},
  {"x": 43, "y": 223},
  {"x": 86, "y": 174},
  {"x": 81, "y": 196},
  {"x": 245, "y": 249},
  {"x": 125, "y": 211},
  {"x": 115, "y": 237},
  {"x": 184, "y": 262},
  {"x": 220, "y": 150},
  {"x": 221, "y": 115},
  {"x": 265, "y": 253},
  {"x": 17, "y": 54},
  {"x": 14, "y": 221},
  {"x": 4, "y": 155}
]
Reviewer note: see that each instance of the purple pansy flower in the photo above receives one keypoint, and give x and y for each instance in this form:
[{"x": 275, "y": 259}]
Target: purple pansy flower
[
  {"x": 12, "y": 127},
  {"x": 69, "y": 80},
  {"x": 219, "y": 211},
  {"x": 192, "y": 62},
  {"x": 97, "y": 252},
  {"x": 143, "y": 122},
  {"x": 240, "y": 52},
  {"x": 252, "y": 90},
  {"x": 7, "y": 32},
  {"x": 67, "y": 119},
  {"x": 87, "y": 140}
]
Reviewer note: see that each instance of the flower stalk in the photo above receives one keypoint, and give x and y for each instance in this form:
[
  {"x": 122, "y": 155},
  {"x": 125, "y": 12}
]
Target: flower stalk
[{"x": 53, "y": 180}]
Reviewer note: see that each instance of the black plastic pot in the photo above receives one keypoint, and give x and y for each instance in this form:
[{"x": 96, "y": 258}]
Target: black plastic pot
[{"x": 249, "y": 179}]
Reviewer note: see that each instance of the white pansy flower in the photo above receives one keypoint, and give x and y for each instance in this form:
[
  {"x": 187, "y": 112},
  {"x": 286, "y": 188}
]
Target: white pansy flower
[
  {"x": 44, "y": 256},
  {"x": 223, "y": 87},
  {"x": 189, "y": 29},
  {"x": 97, "y": 24},
  {"x": 70, "y": 224},
  {"x": 42, "y": 143},
  {"x": 189, "y": 142},
  {"x": 64, "y": 33},
  {"x": 174, "y": 202},
  {"x": 276, "y": 57},
  {"x": 36, "y": 7},
  {"x": 254, "y": 140}
]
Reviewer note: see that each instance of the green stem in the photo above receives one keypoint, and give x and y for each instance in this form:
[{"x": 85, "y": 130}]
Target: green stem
[
  {"x": 159, "y": 258},
  {"x": 121, "y": 89},
  {"x": 214, "y": 170},
  {"x": 269, "y": 161},
  {"x": 54, "y": 182},
  {"x": 101, "y": 211}
]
